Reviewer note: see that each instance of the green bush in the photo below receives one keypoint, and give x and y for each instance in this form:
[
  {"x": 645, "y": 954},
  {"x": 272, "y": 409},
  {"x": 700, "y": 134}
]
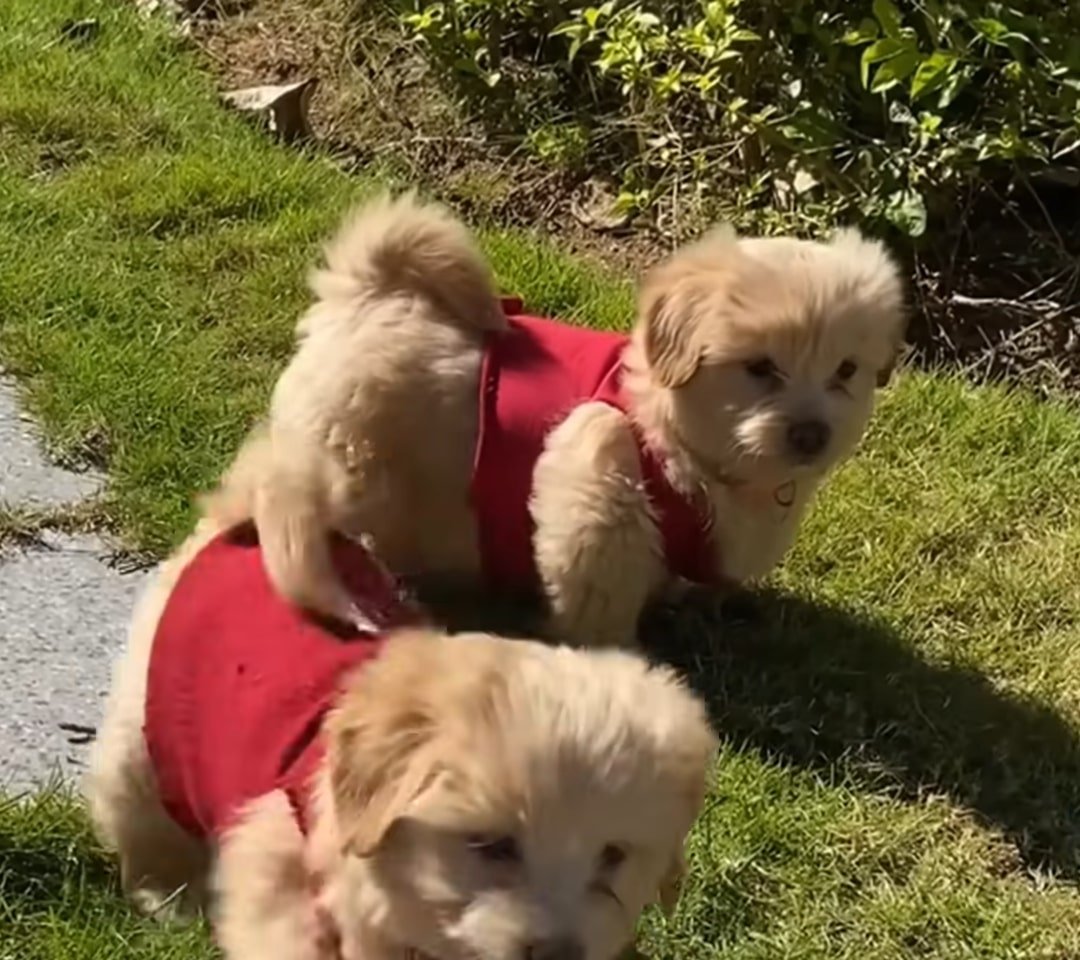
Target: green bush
[{"x": 789, "y": 112}]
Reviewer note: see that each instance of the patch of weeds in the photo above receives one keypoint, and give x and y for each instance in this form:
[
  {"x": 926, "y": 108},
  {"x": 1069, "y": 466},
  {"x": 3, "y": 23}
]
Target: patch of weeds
[{"x": 25, "y": 526}]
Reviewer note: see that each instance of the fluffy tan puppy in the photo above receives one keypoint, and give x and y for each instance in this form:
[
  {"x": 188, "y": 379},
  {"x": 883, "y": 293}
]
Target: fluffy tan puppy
[
  {"x": 475, "y": 798},
  {"x": 750, "y": 373}
]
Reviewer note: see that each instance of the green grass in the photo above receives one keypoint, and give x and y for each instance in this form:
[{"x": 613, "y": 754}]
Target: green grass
[
  {"x": 58, "y": 897},
  {"x": 901, "y": 710},
  {"x": 154, "y": 253}
]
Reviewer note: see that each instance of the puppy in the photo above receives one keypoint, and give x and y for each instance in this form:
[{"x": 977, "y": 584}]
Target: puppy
[
  {"x": 393, "y": 794},
  {"x": 475, "y": 442}
]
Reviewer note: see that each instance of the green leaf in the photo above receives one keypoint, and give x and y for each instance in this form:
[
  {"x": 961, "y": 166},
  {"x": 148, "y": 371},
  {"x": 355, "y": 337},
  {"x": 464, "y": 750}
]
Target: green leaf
[
  {"x": 930, "y": 123},
  {"x": 875, "y": 53},
  {"x": 593, "y": 14},
  {"x": 669, "y": 83},
  {"x": 865, "y": 32},
  {"x": 992, "y": 30},
  {"x": 906, "y": 210},
  {"x": 895, "y": 70},
  {"x": 933, "y": 73},
  {"x": 1013, "y": 72},
  {"x": 716, "y": 13},
  {"x": 1066, "y": 142},
  {"x": 954, "y": 83},
  {"x": 467, "y": 65},
  {"x": 889, "y": 17},
  {"x": 1009, "y": 145}
]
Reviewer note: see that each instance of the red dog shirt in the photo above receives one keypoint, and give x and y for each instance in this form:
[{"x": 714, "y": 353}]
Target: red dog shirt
[
  {"x": 240, "y": 680},
  {"x": 532, "y": 377}
]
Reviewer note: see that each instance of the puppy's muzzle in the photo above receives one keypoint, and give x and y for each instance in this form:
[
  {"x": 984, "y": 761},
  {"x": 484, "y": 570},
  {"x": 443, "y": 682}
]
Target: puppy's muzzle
[{"x": 806, "y": 439}]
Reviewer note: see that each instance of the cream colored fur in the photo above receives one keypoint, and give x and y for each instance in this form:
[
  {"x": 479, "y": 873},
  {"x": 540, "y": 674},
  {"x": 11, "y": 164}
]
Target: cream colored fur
[
  {"x": 476, "y": 798},
  {"x": 373, "y": 424}
]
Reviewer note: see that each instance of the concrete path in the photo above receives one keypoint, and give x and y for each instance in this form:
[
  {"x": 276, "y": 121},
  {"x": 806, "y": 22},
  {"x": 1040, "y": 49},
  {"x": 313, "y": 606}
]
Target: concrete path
[{"x": 63, "y": 614}]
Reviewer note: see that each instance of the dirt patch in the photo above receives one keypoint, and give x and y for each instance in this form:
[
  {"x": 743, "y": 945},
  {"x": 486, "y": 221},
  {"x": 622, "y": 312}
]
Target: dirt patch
[
  {"x": 1002, "y": 298},
  {"x": 998, "y": 297},
  {"x": 378, "y": 101}
]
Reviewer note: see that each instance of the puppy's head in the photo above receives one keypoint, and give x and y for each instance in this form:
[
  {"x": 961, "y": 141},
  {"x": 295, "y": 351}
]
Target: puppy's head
[
  {"x": 768, "y": 351},
  {"x": 505, "y": 800}
]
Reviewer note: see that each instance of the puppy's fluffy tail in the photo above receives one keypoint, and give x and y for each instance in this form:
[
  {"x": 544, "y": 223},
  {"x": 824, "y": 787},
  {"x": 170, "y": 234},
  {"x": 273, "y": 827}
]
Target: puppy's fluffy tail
[{"x": 403, "y": 246}]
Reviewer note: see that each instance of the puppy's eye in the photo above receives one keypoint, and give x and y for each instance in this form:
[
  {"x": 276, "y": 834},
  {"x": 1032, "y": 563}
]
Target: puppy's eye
[
  {"x": 846, "y": 370},
  {"x": 611, "y": 858},
  {"x": 761, "y": 369},
  {"x": 495, "y": 849}
]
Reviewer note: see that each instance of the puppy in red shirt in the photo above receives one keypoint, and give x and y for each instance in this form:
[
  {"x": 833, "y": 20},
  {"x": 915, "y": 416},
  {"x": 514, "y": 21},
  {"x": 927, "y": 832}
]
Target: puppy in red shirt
[
  {"x": 385, "y": 792},
  {"x": 475, "y": 441}
]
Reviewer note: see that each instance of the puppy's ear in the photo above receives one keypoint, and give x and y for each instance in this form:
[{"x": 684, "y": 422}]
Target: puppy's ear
[
  {"x": 666, "y": 330},
  {"x": 386, "y": 737},
  {"x": 874, "y": 273},
  {"x": 675, "y": 298},
  {"x": 377, "y": 743},
  {"x": 671, "y": 884},
  {"x": 372, "y": 788}
]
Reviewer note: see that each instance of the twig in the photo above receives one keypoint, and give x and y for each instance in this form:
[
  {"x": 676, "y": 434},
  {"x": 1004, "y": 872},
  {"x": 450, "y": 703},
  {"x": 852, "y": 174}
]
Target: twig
[
  {"x": 1043, "y": 309},
  {"x": 78, "y": 733},
  {"x": 994, "y": 350},
  {"x": 175, "y": 895},
  {"x": 421, "y": 139},
  {"x": 1046, "y": 213}
]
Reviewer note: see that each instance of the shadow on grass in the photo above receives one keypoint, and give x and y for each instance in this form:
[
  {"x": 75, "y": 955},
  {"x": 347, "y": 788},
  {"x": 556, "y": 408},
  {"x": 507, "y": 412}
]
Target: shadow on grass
[{"x": 818, "y": 688}]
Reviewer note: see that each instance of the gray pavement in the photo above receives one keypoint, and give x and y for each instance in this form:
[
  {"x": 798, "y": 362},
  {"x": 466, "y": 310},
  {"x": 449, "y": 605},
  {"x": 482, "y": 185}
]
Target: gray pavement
[
  {"x": 26, "y": 477},
  {"x": 64, "y": 609}
]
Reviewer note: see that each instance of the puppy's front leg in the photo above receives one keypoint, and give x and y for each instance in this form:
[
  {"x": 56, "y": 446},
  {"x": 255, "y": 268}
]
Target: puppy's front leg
[
  {"x": 268, "y": 907},
  {"x": 597, "y": 548}
]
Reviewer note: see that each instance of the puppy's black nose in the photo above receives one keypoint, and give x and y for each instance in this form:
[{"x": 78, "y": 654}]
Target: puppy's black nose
[
  {"x": 557, "y": 948},
  {"x": 807, "y": 438}
]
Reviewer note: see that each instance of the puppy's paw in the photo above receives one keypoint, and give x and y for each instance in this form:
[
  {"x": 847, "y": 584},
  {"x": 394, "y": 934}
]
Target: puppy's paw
[{"x": 603, "y": 434}]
